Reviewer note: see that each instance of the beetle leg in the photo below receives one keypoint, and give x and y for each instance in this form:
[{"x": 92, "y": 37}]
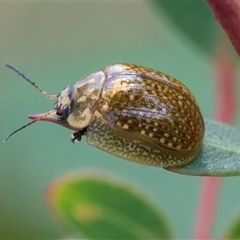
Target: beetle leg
[{"x": 77, "y": 136}]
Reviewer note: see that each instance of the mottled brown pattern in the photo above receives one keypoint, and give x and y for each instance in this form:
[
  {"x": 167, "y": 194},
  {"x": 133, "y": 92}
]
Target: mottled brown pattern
[
  {"x": 133, "y": 112},
  {"x": 134, "y": 147},
  {"x": 155, "y": 107},
  {"x": 138, "y": 114},
  {"x": 154, "y": 74}
]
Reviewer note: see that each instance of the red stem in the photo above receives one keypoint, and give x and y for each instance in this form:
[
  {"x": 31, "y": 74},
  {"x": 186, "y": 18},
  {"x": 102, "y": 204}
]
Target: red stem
[
  {"x": 225, "y": 112},
  {"x": 207, "y": 206},
  {"x": 227, "y": 12},
  {"x": 226, "y": 99}
]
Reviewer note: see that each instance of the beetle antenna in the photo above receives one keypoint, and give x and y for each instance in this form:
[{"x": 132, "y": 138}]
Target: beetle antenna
[
  {"x": 31, "y": 82},
  {"x": 35, "y": 120}
]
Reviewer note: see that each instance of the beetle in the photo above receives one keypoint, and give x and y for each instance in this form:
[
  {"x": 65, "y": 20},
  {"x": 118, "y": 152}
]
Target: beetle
[{"x": 133, "y": 112}]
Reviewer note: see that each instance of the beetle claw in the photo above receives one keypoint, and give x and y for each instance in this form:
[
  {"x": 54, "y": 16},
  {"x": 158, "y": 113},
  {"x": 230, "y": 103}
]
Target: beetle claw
[{"x": 77, "y": 136}]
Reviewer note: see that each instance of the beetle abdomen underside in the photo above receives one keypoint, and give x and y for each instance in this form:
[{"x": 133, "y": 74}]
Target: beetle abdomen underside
[{"x": 134, "y": 147}]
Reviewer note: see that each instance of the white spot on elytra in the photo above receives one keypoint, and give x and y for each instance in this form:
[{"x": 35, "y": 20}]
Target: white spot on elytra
[
  {"x": 131, "y": 97},
  {"x": 143, "y": 132},
  {"x": 162, "y": 140},
  {"x": 180, "y": 97}
]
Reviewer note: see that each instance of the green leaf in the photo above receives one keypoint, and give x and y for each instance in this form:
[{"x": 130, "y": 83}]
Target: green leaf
[
  {"x": 194, "y": 19},
  {"x": 220, "y": 154},
  {"x": 234, "y": 230},
  {"x": 94, "y": 207}
]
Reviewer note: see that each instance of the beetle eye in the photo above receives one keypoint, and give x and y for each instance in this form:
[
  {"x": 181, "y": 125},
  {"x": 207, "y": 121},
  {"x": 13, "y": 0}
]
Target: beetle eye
[{"x": 65, "y": 111}]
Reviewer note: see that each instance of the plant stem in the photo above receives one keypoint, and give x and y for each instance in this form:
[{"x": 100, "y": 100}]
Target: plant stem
[
  {"x": 226, "y": 76},
  {"x": 206, "y": 209},
  {"x": 225, "y": 112},
  {"x": 227, "y": 12}
]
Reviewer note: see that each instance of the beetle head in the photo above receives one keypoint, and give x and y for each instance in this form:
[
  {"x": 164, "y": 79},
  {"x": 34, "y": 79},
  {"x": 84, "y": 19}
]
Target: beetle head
[{"x": 75, "y": 106}]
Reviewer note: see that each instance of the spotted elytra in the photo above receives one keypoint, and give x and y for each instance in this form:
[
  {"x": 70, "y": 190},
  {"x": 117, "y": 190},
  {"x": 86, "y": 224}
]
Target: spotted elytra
[{"x": 133, "y": 112}]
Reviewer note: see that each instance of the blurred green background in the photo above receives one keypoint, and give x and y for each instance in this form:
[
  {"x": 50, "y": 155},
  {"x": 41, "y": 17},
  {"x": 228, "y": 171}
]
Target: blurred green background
[{"x": 58, "y": 43}]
